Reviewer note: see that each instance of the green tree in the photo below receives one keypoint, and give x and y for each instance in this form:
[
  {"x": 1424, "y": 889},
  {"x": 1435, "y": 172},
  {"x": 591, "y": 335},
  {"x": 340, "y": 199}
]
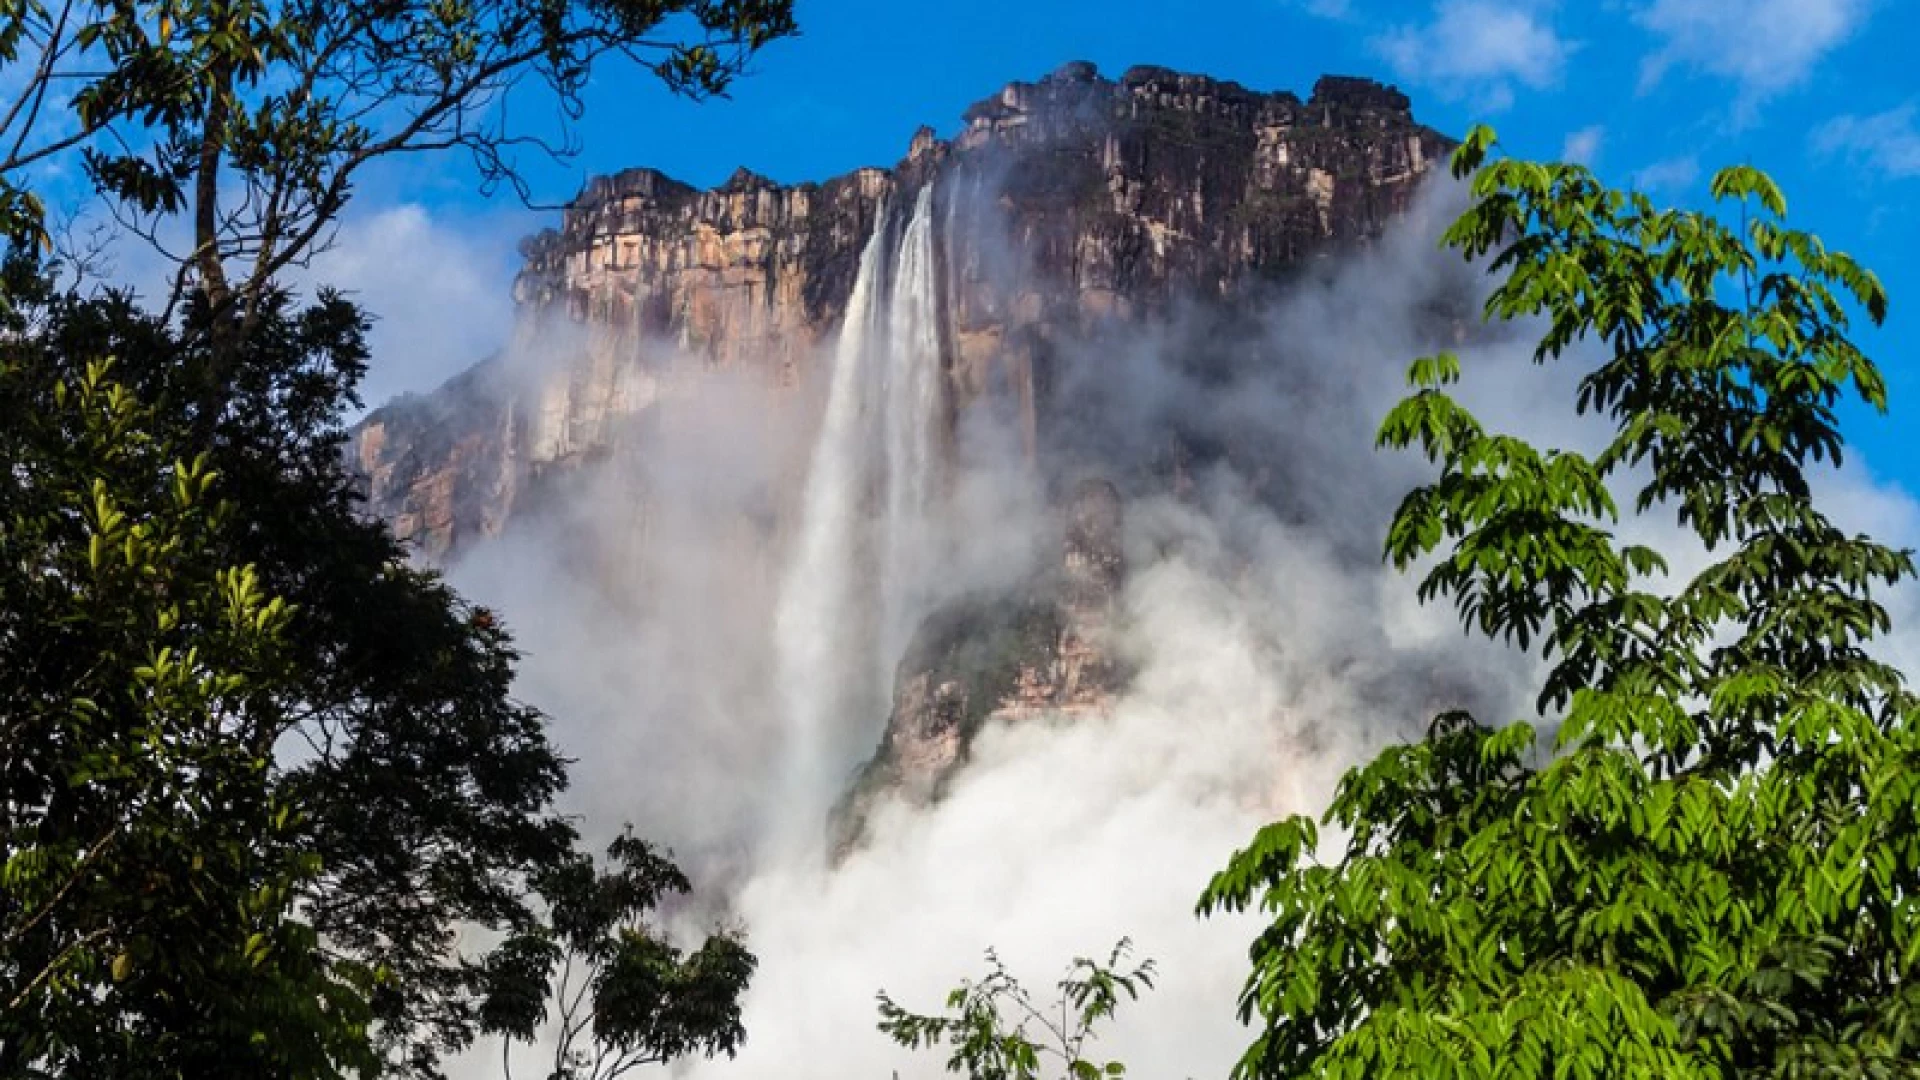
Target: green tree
[
  {"x": 425, "y": 788},
  {"x": 150, "y": 864},
  {"x": 618, "y": 993},
  {"x": 369, "y": 793},
  {"x": 1712, "y": 870},
  {"x": 420, "y": 790},
  {"x": 250, "y": 119},
  {"x": 998, "y": 1032}
]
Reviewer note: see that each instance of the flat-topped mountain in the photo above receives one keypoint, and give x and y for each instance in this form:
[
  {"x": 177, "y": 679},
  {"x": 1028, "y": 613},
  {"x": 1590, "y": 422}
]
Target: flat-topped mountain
[
  {"x": 1060, "y": 206},
  {"x": 993, "y": 272}
]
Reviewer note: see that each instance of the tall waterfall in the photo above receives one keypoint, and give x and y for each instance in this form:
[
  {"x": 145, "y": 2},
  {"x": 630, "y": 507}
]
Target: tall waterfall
[
  {"x": 851, "y": 589},
  {"x": 911, "y": 416}
]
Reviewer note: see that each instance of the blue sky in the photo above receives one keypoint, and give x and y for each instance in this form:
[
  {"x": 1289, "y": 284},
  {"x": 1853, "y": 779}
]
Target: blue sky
[{"x": 1658, "y": 93}]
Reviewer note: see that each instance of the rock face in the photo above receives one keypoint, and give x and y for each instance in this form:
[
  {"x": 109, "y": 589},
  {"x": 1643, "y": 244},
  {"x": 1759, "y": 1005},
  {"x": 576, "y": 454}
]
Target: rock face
[
  {"x": 1045, "y": 650},
  {"x": 1069, "y": 208},
  {"x": 1071, "y": 202}
]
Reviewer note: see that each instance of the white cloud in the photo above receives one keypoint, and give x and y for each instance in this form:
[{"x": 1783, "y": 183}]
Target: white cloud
[
  {"x": 1668, "y": 175},
  {"x": 1479, "y": 49},
  {"x": 438, "y": 287},
  {"x": 439, "y": 290},
  {"x": 1583, "y": 147},
  {"x": 1887, "y": 141},
  {"x": 1763, "y": 46}
]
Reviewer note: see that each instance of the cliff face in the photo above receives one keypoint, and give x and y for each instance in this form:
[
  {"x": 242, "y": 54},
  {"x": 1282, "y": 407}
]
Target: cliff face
[
  {"x": 1079, "y": 200},
  {"x": 994, "y": 658},
  {"x": 1067, "y": 210}
]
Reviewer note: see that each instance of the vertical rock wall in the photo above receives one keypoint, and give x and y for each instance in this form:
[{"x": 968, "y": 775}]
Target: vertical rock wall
[{"x": 1068, "y": 203}]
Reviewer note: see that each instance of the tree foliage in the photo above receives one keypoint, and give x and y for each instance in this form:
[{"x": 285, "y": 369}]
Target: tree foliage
[
  {"x": 252, "y": 117},
  {"x": 398, "y": 799},
  {"x": 1712, "y": 870},
  {"x": 423, "y": 788},
  {"x": 997, "y": 1031},
  {"x": 151, "y": 863},
  {"x": 620, "y": 995},
  {"x": 262, "y": 781}
]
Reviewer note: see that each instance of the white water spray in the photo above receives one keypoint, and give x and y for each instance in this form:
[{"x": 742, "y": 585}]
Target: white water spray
[
  {"x": 1257, "y": 655},
  {"x": 912, "y": 418},
  {"x": 870, "y": 489},
  {"x": 813, "y": 621}
]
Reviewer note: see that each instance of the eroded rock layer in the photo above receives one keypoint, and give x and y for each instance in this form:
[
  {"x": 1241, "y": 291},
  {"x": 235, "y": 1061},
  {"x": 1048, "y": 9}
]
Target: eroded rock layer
[
  {"x": 1068, "y": 202},
  {"x": 1068, "y": 211}
]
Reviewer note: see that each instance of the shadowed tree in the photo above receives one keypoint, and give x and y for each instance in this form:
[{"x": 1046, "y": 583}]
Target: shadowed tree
[
  {"x": 421, "y": 789},
  {"x": 269, "y": 868},
  {"x": 618, "y": 994},
  {"x": 151, "y": 862}
]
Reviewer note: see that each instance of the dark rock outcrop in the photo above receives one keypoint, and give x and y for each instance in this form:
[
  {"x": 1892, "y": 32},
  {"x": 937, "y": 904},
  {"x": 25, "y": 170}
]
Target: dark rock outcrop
[{"x": 1045, "y": 649}]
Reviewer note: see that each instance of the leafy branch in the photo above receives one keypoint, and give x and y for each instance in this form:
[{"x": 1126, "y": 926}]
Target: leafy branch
[{"x": 998, "y": 1032}]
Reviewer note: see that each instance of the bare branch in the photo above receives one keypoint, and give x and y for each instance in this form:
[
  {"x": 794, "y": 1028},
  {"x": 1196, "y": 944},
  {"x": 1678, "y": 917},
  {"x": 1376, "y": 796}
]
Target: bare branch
[
  {"x": 96, "y": 934},
  {"x": 36, "y": 86}
]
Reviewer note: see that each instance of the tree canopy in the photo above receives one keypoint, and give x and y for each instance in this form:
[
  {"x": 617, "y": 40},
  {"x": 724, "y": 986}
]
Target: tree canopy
[
  {"x": 1712, "y": 869},
  {"x": 623, "y": 996},
  {"x": 249, "y": 119},
  {"x": 263, "y": 781},
  {"x": 151, "y": 862},
  {"x": 250, "y": 702}
]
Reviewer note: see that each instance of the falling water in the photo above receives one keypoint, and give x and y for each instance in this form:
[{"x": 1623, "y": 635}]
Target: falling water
[
  {"x": 814, "y": 621},
  {"x": 911, "y": 418},
  {"x": 870, "y": 486}
]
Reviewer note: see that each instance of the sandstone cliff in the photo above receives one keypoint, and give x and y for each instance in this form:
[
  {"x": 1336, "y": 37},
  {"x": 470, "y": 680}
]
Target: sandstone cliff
[
  {"x": 1071, "y": 208},
  {"x": 1091, "y": 200}
]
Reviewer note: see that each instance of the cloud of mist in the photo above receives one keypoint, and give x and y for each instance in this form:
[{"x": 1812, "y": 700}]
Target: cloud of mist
[
  {"x": 438, "y": 285},
  {"x": 640, "y": 595},
  {"x": 1270, "y": 651},
  {"x": 1269, "y": 654},
  {"x": 1060, "y": 837}
]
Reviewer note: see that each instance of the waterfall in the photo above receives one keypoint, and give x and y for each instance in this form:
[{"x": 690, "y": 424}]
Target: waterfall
[
  {"x": 852, "y": 587},
  {"x": 912, "y": 419},
  {"x": 814, "y": 619}
]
